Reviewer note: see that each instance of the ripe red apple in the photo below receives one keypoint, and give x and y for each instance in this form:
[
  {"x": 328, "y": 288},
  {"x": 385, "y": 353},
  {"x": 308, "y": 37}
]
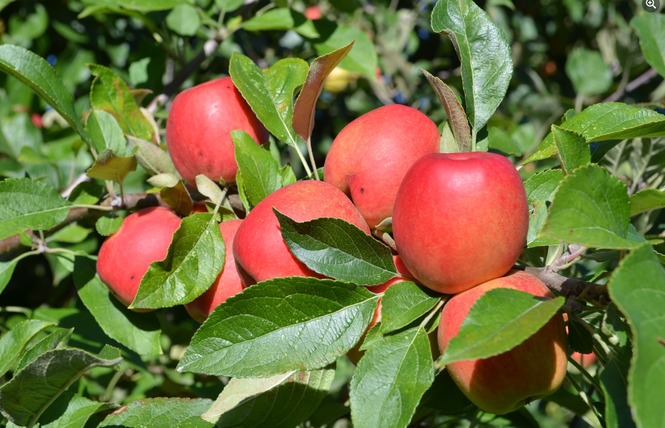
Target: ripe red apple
[
  {"x": 228, "y": 281},
  {"x": 370, "y": 156},
  {"x": 198, "y": 130},
  {"x": 259, "y": 249},
  {"x": 460, "y": 219},
  {"x": 125, "y": 256},
  {"x": 505, "y": 382}
]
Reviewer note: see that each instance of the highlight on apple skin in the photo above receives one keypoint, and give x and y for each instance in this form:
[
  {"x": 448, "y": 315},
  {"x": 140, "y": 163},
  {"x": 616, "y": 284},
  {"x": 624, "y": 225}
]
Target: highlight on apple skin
[
  {"x": 259, "y": 249},
  {"x": 228, "y": 281},
  {"x": 505, "y": 382},
  {"x": 125, "y": 256},
  {"x": 460, "y": 219},
  {"x": 198, "y": 129},
  {"x": 370, "y": 156}
]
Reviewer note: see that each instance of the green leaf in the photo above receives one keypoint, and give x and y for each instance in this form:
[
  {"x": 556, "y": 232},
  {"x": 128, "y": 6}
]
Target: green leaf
[
  {"x": 6, "y": 272},
  {"x": 14, "y": 342},
  {"x": 270, "y": 93},
  {"x": 303, "y": 111},
  {"x": 194, "y": 260},
  {"x": 637, "y": 287},
  {"x": 284, "y": 400},
  {"x": 484, "y": 54},
  {"x": 36, "y": 73},
  {"x": 338, "y": 249},
  {"x": 281, "y": 19},
  {"x": 27, "y": 395},
  {"x": 151, "y": 157},
  {"x": 58, "y": 338},
  {"x": 261, "y": 172},
  {"x": 572, "y": 149},
  {"x": 71, "y": 411},
  {"x": 646, "y": 200},
  {"x": 161, "y": 412},
  {"x": 147, "y": 5},
  {"x": 542, "y": 185},
  {"x": 106, "y": 133},
  {"x": 402, "y": 304},
  {"x": 606, "y": 121},
  {"x": 111, "y": 94},
  {"x": 106, "y": 226},
  {"x": 108, "y": 166},
  {"x": 650, "y": 29},
  {"x": 140, "y": 332},
  {"x": 184, "y": 20},
  {"x": 390, "y": 380},
  {"x": 500, "y": 140},
  {"x": 500, "y": 320},
  {"x": 28, "y": 204},
  {"x": 459, "y": 123},
  {"x": 301, "y": 323},
  {"x": 362, "y": 58},
  {"x": 588, "y": 72},
  {"x": 590, "y": 208}
]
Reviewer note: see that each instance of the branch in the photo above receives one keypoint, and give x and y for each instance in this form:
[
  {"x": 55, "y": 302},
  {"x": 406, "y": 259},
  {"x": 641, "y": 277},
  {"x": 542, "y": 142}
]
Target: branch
[
  {"x": 640, "y": 80},
  {"x": 574, "y": 290}
]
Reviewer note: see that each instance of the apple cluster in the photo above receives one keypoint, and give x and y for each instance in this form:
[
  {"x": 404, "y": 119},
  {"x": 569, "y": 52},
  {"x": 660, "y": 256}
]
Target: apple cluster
[{"x": 459, "y": 223}]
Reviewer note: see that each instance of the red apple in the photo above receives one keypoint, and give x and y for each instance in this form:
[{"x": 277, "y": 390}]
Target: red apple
[
  {"x": 460, "y": 219},
  {"x": 505, "y": 382},
  {"x": 125, "y": 256},
  {"x": 259, "y": 249},
  {"x": 198, "y": 130},
  {"x": 228, "y": 281},
  {"x": 369, "y": 157}
]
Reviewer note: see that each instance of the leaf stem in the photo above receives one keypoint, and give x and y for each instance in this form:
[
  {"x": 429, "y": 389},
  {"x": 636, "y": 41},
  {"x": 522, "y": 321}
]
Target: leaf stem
[{"x": 433, "y": 312}]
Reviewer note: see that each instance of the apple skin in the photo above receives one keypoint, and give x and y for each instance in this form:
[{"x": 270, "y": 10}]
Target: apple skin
[
  {"x": 259, "y": 249},
  {"x": 370, "y": 156},
  {"x": 460, "y": 219},
  {"x": 198, "y": 130},
  {"x": 125, "y": 256},
  {"x": 505, "y": 382},
  {"x": 228, "y": 281}
]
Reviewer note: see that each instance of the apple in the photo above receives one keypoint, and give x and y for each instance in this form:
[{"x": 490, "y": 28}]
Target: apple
[
  {"x": 505, "y": 382},
  {"x": 370, "y": 156},
  {"x": 124, "y": 257},
  {"x": 198, "y": 129},
  {"x": 228, "y": 281},
  {"x": 259, "y": 249},
  {"x": 460, "y": 219}
]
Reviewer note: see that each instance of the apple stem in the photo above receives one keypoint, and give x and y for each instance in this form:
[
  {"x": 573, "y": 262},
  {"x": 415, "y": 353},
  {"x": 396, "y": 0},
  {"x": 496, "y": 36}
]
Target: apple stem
[
  {"x": 311, "y": 158},
  {"x": 304, "y": 162},
  {"x": 474, "y": 135}
]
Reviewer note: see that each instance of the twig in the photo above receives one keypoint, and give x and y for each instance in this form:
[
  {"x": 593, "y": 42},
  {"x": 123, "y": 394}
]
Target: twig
[
  {"x": 572, "y": 289},
  {"x": 640, "y": 80}
]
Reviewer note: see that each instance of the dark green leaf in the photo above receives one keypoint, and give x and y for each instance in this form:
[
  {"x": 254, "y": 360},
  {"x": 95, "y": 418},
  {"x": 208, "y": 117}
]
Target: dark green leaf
[
  {"x": 338, "y": 249},
  {"x": 161, "y": 412},
  {"x": 301, "y": 323},
  {"x": 588, "y": 72},
  {"x": 572, "y": 149},
  {"x": 140, "y": 332},
  {"x": 362, "y": 58},
  {"x": 650, "y": 29},
  {"x": 590, "y": 208},
  {"x": 390, "y": 380},
  {"x": 637, "y": 287},
  {"x": 500, "y": 320},
  {"x": 28, "y": 204},
  {"x": 646, "y": 200},
  {"x": 484, "y": 54},
  {"x": 14, "y": 342},
  {"x": 402, "y": 304},
  {"x": 58, "y": 338},
  {"x": 27, "y": 395},
  {"x": 71, "y": 411},
  {"x": 194, "y": 260},
  {"x": 459, "y": 123}
]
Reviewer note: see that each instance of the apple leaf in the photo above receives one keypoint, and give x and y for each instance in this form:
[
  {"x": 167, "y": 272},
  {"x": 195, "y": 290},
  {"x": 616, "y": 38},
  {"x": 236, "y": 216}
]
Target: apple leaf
[
  {"x": 497, "y": 322},
  {"x": 6, "y": 272},
  {"x": 151, "y": 157},
  {"x": 161, "y": 412},
  {"x": 71, "y": 411},
  {"x": 284, "y": 400},
  {"x": 362, "y": 58},
  {"x": 281, "y": 18},
  {"x": 106, "y": 134},
  {"x": 140, "y": 332},
  {"x": 646, "y": 200},
  {"x": 14, "y": 342},
  {"x": 108, "y": 166},
  {"x": 27, "y": 395},
  {"x": 572, "y": 149},
  {"x": 637, "y": 287},
  {"x": 176, "y": 196},
  {"x": 56, "y": 338},
  {"x": 606, "y": 121},
  {"x": 588, "y": 72},
  {"x": 650, "y": 29},
  {"x": 498, "y": 139},
  {"x": 542, "y": 185},
  {"x": 590, "y": 208},
  {"x": 38, "y": 75},
  {"x": 260, "y": 172},
  {"x": 402, "y": 304},
  {"x": 111, "y": 94},
  {"x": 303, "y": 112},
  {"x": 194, "y": 260},
  {"x": 390, "y": 380},
  {"x": 457, "y": 119},
  {"x": 338, "y": 249},
  {"x": 280, "y": 325},
  {"x": 484, "y": 54},
  {"x": 270, "y": 92},
  {"x": 29, "y": 204}
]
